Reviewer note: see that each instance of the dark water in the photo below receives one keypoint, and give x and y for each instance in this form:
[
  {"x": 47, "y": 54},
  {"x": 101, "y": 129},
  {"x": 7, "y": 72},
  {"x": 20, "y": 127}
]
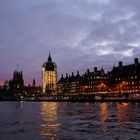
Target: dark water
[{"x": 69, "y": 121}]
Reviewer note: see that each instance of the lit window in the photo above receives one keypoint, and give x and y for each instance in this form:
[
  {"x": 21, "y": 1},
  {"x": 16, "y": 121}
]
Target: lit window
[{"x": 132, "y": 83}]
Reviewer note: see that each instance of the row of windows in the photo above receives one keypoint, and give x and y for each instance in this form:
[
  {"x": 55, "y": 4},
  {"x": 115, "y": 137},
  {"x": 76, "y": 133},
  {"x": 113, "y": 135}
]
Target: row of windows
[
  {"x": 98, "y": 77},
  {"x": 131, "y": 87},
  {"x": 122, "y": 78}
]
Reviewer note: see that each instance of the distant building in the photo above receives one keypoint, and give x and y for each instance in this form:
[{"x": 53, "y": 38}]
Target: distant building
[
  {"x": 33, "y": 83},
  {"x": 94, "y": 81},
  {"x": 121, "y": 79},
  {"x": 89, "y": 83},
  {"x": 32, "y": 90},
  {"x": 125, "y": 79},
  {"x": 49, "y": 77},
  {"x": 16, "y": 85},
  {"x": 69, "y": 85}
]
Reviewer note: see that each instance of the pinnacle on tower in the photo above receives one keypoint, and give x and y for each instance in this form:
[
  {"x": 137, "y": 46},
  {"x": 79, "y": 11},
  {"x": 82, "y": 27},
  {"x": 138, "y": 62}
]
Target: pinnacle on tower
[
  {"x": 49, "y": 58},
  {"x": 34, "y": 83}
]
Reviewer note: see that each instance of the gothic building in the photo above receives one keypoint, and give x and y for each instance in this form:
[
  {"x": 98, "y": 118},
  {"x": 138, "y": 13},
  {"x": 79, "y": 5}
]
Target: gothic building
[
  {"x": 125, "y": 79},
  {"x": 69, "y": 85},
  {"x": 16, "y": 85},
  {"x": 94, "y": 81},
  {"x": 121, "y": 79},
  {"x": 89, "y": 83},
  {"x": 49, "y": 77}
]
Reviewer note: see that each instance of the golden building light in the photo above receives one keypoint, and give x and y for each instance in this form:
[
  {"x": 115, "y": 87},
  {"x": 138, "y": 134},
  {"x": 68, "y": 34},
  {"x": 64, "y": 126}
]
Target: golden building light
[{"x": 49, "y": 77}]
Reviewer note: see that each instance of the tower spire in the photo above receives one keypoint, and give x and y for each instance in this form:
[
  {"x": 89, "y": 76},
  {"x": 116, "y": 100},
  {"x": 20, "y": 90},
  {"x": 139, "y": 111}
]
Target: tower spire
[
  {"x": 34, "y": 83},
  {"x": 49, "y": 58},
  {"x": 17, "y": 68},
  {"x": 114, "y": 65}
]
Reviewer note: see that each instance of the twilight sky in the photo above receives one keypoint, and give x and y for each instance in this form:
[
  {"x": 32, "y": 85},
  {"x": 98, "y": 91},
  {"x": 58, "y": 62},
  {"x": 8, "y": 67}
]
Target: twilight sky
[{"x": 80, "y": 34}]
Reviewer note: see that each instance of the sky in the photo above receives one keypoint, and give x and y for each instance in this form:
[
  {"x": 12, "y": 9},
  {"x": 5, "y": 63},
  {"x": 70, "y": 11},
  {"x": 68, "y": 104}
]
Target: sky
[{"x": 79, "y": 34}]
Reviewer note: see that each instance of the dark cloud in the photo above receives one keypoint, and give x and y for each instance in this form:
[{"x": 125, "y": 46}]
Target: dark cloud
[{"x": 80, "y": 34}]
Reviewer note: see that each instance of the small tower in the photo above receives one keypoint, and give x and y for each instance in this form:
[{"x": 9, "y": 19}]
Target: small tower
[
  {"x": 17, "y": 84},
  {"x": 49, "y": 77},
  {"x": 34, "y": 83}
]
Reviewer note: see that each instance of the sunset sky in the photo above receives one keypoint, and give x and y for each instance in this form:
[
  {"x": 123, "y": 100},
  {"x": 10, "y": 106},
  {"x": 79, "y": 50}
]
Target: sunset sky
[{"x": 79, "y": 34}]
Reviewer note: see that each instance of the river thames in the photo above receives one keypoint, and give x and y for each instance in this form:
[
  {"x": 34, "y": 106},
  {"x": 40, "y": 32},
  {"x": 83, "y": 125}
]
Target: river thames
[{"x": 69, "y": 121}]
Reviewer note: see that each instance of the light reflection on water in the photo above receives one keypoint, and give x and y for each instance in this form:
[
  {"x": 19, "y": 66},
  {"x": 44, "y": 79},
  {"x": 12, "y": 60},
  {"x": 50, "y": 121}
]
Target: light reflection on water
[
  {"x": 123, "y": 112},
  {"x": 103, "y": 115},
  {"x": 49, "y": 125},
  {"x": 69, "y": 121}
]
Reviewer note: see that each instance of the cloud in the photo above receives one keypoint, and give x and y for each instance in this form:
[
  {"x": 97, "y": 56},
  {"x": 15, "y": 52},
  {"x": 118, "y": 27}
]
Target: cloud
[{"x": 80, "y": 34}]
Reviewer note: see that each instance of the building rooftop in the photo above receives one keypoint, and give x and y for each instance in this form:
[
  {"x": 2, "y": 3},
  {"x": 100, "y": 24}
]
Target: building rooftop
[{"x": 49, "y": 65}]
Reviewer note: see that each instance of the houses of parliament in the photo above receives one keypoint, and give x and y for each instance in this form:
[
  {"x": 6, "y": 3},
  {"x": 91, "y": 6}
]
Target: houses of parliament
[{"x": 122, "y": 79}]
